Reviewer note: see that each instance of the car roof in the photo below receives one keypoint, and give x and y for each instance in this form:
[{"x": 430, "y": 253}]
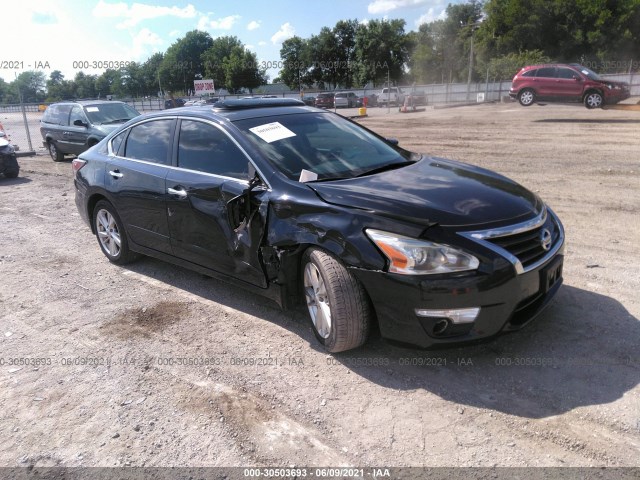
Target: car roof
[
  {"x": 86, "y": 102},
  {"x": 241, "y": 109}
]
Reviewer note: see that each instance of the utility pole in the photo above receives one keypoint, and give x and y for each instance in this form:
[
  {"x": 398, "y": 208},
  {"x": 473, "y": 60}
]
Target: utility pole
[{"x": 473, "y": 29}]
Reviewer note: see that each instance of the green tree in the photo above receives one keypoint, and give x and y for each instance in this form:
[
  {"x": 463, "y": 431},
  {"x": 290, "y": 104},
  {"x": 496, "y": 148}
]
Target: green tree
[
  {"x": 58, "y": 88},
  {"x": 295, "y": 55},
  {"x": 182, "y": 63},
  {"x": 29, "y": 85},
  {"x": 604, "y": 31},
  {"x": 149, "y": 74},
  {"x": 214, "y": 58},
  {"x": 345, "y": 33},
  {"x": 381, "y": 51},
  {"x": 108, "y": 83},
  {"x": 241, "y": 71}
]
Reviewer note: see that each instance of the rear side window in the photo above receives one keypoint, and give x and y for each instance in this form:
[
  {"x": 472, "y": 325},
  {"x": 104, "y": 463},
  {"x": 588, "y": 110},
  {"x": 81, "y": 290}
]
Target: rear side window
[
  {"x": 57, "y": 115},
  {"x": 546, "y": 72},
  {"x": 150, "y": 141},
  {"x": 116, "y": 143},
  {"x": 205, "y": 148}
]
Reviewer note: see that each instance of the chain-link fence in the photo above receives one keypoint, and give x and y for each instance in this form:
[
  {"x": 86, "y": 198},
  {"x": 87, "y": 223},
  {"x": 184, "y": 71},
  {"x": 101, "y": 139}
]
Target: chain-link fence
[{"x": 21, "y": 123}]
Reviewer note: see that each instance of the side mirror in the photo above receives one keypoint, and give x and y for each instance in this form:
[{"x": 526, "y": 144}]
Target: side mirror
[
  {"x": 577, "y": 78},
  {"x": 79, "y": 123},
  {"x": 393, "y": 141}
]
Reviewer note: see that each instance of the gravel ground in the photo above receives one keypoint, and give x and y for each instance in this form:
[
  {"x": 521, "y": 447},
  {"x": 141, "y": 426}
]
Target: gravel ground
[{"x": 109, "y": 378}]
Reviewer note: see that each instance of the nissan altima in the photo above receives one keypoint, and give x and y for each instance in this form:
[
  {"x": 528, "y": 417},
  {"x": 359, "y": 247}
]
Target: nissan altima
[{"x": 302, "y": 205}]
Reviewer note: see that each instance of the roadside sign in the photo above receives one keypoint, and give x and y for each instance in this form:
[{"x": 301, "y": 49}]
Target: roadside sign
[{"x": 203, "y": 87}]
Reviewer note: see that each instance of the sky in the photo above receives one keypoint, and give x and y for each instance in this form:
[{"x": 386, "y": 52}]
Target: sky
[{"x": 70, "y": 35}]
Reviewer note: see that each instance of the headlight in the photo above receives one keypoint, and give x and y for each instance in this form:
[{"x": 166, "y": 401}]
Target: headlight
[{"x": 410, "y": 256}]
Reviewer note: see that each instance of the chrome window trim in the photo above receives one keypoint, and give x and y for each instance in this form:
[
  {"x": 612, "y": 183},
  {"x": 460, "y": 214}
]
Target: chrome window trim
[
  {"x": 482, "y": 236},
  {"x": 181, "y": 169}
]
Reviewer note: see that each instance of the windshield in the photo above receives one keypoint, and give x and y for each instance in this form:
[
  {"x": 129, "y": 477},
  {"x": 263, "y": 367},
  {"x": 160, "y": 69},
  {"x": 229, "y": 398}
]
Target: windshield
[
  {"x": 324, "y": 144},
  {"x": 590, "y": 73},
  {"x": 110, "y": 113}
]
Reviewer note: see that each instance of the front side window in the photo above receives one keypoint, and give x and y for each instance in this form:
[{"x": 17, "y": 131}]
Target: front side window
[
  {"x": 566, "y": 73},
  {"x": 205, "y": 148},
  {"x": 150, "y": 141},
  {"x": 57, "y": 115},
  {"x": 76, "y": 114}
]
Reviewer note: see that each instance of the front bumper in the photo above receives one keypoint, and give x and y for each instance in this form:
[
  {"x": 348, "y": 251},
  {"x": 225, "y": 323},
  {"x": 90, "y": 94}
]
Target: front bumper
[{"x": 507, "y": 302}]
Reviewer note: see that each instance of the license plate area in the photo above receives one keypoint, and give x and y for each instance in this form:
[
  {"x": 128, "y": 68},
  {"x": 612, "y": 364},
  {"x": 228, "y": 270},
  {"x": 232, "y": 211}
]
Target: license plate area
[{"x": 551, "y": 274}]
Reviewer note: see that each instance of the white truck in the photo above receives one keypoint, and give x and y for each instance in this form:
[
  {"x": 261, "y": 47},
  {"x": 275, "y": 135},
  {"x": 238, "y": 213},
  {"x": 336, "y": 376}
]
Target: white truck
[{"x": 390, "y": 96}]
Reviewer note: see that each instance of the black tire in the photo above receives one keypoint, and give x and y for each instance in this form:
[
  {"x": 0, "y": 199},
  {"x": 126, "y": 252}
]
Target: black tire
[
  {"x": 526, "y": 97},
  {"x": 593, "y": 99},
  {"x": 11, "y": 172},
  {"x": 343, "y": 296},
  {"x": 109, "y": 230},
  {"x": 56, "y": 155}
]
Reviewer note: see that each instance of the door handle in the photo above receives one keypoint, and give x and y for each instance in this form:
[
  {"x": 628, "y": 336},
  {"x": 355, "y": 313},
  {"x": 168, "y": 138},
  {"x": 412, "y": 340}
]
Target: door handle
[
  {"x": 115, "y": 174},
  {"x": 179, "y": 192}
]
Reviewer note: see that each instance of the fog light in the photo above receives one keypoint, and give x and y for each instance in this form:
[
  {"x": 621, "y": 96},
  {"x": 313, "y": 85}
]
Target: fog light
[{"x": 456, "y": 315}]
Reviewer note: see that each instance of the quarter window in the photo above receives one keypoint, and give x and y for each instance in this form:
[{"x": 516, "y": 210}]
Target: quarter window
[
  {"x": 205, "y": 148},
  {"x": 150, "y": 141}
]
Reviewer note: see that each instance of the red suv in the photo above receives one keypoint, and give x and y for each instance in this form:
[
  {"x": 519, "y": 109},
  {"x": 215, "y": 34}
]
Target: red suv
[
  {"x": 565, "y": 83},
  {"x": 325, "y": 100}
]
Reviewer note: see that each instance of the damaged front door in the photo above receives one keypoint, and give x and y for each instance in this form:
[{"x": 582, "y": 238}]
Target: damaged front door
[{"x": 214, "y": 219}]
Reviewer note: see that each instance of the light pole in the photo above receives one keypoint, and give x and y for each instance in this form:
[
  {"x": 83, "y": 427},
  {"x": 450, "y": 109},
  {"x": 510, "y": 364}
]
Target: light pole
[{"x": 473, "y": 29}]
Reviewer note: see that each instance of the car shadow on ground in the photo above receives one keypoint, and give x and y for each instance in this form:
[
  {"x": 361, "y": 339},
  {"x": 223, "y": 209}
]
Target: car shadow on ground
[
  {"x": 587, "y": 120},
  {"x": 5, "y": 182},
  {"x": 581, "y": 351}
]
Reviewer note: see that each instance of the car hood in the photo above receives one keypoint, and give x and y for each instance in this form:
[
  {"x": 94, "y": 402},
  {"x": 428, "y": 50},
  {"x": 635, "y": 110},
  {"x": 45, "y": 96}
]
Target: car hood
[
  {"x": 435, "y": 190},
  {"x": 107, "y": 129}
]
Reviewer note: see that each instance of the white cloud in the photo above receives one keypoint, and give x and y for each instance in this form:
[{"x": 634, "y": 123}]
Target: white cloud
[
  {"x": 364, "y": 21},
  {"x": 138, "y": 12},
  {"x": 385, "y": 6},
  {"x": 225, "y": 23},
  {"x": 286, "y": 31},
  {"x": 430, "y": 16},
  {"x": 174, "y": 33},
  {"x": 143, "y": 43},
  {"x": 250, "y": 47},
  {"x": 262, "y": 43},
  {"x": 253, "y": 25}
]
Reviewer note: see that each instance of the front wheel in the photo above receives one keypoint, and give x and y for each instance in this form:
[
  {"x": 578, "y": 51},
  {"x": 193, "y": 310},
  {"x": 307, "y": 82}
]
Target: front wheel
[
  {"x": 111, "y": 234},
  {"x": 593, "y": 100},
  {"x": 338, "y": 304},
  {"x": 526, "y": 97},
  {"x": 56, "y": 155}
]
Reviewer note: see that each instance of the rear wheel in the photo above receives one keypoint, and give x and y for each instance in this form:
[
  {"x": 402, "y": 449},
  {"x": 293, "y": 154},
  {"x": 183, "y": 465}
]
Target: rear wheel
[
  {"x": 526, "y": 97},
  {"x": 56, "y": 155},
  {"x": 11, "y": 172},
  {"x": 338, "y": 304},
  {"x": 593, "y": 100},
  {"x": 111, "y": 234}
]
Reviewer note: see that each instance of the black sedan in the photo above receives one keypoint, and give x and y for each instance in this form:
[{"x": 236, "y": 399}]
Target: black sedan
[{"x": 297, "y": 203}]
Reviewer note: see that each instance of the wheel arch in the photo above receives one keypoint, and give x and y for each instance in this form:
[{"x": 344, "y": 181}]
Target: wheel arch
[{"x": 91, "y": 205}]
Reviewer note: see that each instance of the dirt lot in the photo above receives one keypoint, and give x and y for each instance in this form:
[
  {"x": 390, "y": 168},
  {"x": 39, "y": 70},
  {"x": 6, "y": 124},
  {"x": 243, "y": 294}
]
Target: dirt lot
[{"x": 103, "y": 384}]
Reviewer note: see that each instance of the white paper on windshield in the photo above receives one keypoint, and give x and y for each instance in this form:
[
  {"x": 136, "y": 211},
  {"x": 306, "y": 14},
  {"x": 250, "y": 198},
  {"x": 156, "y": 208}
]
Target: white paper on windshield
[
  {"x": 271, "y": 132},
  {"x": 307, "y": 176},
  {"x": 92, "y": 109}
]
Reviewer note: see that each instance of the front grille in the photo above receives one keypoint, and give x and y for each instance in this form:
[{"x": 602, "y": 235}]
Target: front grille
[
  {"x": 523, "y": 244},
  {"x": 527, "y": 246}
]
